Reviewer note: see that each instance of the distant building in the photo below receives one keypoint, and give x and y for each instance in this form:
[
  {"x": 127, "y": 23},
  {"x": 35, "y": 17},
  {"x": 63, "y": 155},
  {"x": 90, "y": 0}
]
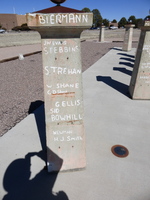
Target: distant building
[
  {"x": 8, "y": 21},
  {"x": 113, "y": 24}
]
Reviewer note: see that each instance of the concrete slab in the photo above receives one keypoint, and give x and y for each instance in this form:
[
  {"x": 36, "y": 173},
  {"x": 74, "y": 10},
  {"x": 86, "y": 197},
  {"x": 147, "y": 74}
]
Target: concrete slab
[
  {"x": 8, "y": 53},
  {"x": 111, "y": 118}
]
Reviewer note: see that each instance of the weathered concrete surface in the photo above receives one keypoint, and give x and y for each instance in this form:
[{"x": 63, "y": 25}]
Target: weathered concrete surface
[
  {"x": 61, "y": 52},
  {"x": 64, "y": 103},
  {"x": 128, "y": 36},
  {"x": 111, "y": 117},
  {"x": 64, "y": 20},
  {"x": 60, "y": 25},
  {"x": 140, "y": 81},
  {"x": 102, "y": 34}
]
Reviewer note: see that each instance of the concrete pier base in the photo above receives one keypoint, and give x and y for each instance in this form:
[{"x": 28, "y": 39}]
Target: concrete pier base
[{"x": 127, "y": 44}]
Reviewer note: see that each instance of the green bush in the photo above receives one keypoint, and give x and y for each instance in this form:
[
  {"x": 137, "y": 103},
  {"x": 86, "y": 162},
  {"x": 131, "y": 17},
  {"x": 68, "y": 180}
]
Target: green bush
[{"x": 23, "y": 27}]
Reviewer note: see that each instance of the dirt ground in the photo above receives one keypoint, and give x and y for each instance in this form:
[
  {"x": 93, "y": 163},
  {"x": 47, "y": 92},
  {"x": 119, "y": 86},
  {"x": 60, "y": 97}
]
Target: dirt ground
[{"x": 22, "y": 82}]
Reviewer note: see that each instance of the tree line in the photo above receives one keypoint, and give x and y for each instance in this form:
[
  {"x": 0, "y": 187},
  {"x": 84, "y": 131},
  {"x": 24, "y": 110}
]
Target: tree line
[{"x": 99, "y": 21}]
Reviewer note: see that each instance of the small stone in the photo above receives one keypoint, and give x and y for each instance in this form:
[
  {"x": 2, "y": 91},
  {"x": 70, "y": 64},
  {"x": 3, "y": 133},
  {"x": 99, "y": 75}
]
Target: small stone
[{"x": 21, "y": 57}]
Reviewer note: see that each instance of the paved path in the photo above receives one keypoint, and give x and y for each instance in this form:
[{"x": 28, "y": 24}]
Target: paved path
[
  {"x": 111, "y": 118},
  {"x": 9, "y": 53}
]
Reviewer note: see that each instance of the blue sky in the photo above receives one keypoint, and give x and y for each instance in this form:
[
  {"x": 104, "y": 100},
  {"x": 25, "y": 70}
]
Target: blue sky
[{"x": 109, "y": 9}]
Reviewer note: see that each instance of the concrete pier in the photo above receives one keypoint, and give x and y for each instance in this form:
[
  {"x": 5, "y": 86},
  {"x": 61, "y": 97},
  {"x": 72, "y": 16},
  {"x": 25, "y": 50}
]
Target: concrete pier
[
  {"x": 62, "y": 71},
  {"x": 127, "y": 44},
  {"x": 140, "y": 80},
  {"x": 101, "y": 35}
]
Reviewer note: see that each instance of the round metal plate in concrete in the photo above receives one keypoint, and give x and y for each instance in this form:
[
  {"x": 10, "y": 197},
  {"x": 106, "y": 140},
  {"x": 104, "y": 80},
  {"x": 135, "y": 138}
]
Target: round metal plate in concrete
[{"x": 120, "y": 151}]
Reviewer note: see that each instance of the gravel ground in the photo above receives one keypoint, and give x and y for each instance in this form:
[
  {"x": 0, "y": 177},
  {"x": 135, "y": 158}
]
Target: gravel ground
[{"x": 22, "y": 82}]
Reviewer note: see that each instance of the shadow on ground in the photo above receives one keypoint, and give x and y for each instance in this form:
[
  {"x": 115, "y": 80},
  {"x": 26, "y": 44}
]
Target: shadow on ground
[
  {"x": 17, "y": 182},
  {"x": 123, "y": 70},
  {"x": 40, "y": 120},
  {"x": 128, "y": 64},
  {"x": 120, "y": 87},
  {"x": 125, "y": 54},
  {"x": 18, "y": 185},
  {"x": 128, "y": 59}
]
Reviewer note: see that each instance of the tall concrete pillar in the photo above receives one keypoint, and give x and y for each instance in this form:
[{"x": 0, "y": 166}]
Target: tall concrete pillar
[
  {"x": 127, "y": 44},
  {"x": 101, "y": 35},
  {"x": 140, "y": 80},
  {"x": 60, "y": 33}
]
